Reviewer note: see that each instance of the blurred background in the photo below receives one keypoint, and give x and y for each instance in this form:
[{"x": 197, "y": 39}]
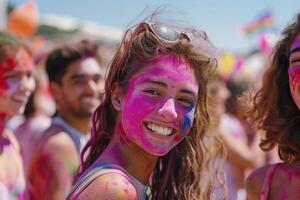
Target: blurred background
[
  {"x": 244, "y": 33},
  {"x": 241, "y": 30},
  {"x": 222, "y": 20}
]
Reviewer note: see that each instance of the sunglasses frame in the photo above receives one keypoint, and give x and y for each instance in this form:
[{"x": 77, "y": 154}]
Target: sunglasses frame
[
  {"x": 179, "y": 35},
  {"x": 188, "y": 34}
]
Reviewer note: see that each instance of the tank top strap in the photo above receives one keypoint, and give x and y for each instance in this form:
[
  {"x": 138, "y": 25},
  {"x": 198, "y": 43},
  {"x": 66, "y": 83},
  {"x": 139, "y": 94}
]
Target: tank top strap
[{"x": 268, "y": 182}]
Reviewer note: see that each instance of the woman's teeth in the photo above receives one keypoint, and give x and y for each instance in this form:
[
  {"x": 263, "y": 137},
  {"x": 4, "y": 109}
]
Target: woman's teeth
[{"x": 159, "y": 130}]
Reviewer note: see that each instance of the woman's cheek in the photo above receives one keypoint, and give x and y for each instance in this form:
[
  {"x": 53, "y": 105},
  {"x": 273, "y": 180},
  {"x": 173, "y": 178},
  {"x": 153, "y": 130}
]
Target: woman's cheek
[
  {"x": 142, "y": 101},
  {"x": 294, "y": 81},
  {"x": 186, "y": 123}
]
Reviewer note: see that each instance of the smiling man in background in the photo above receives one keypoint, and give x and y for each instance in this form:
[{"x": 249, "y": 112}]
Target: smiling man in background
[{"x": 76, "y": 80}]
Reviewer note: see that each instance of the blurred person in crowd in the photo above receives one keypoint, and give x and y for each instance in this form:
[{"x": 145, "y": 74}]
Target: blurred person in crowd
[
  {"x": 76, "y": 80},
  {"x": 37, "y": 118},
  {"x": 16, "y": 86},
  {"x": 218, "y": 94},
  {"x": 238, "y": 136},
  {"x": 149, "y": 133},
  {"x": 276, "y": 111},
  {"x": 229, "y": 124}
]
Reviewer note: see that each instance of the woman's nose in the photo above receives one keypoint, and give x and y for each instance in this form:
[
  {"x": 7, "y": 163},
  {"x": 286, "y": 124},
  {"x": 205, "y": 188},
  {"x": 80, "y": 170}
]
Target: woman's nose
[
  {"x": 168, "y": 109},
  {"x": 27, "y": 83}
]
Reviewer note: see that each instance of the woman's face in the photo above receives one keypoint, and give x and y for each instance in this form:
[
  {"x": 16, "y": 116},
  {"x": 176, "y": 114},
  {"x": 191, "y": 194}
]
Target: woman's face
[
  {"x": 158, "y": 108},
  {"x": 16, "y": 82},
  {"x": 294, "y": 70}
]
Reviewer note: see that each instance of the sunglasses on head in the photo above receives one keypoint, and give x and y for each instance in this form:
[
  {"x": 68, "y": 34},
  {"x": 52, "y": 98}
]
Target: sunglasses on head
[{"x": 170, "y": 34}]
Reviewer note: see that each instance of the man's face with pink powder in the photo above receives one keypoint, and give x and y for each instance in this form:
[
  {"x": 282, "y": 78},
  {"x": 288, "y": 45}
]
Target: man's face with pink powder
[
  {"x": 294, "y": 70},
  {"x": 159, "y": 105}
]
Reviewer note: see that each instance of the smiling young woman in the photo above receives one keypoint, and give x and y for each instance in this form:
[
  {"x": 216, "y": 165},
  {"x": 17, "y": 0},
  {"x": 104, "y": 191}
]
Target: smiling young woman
[
  {"x": 276, "y": 111},
  {"x": 149, "y": 138},
  {"x": 16, "y": 86}
]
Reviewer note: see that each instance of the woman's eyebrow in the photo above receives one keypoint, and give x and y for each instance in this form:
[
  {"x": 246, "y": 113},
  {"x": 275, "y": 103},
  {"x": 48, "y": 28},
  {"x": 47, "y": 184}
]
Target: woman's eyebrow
[
  {"x": 295, "y": 50},
  {"x": 162, "y": 84},
  {"x": 186, "y": 91},
  {"x": 295, "y": 55}
]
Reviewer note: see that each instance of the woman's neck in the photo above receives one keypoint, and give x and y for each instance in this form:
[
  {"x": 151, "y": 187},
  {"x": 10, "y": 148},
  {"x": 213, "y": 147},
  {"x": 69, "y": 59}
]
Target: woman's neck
[{"x": 128, "y": 155}]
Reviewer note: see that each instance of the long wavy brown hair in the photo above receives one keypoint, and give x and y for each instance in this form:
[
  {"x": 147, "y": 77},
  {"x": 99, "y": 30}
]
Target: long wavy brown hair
[
  {"x": 274, "y": 109},
  {"x": 188, "y": 171}
]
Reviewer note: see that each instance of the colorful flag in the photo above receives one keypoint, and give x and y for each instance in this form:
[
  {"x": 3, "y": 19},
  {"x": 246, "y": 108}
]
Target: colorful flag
[
  {"x": 261, "y": 23},
  {"x": 23, "y": 20}
]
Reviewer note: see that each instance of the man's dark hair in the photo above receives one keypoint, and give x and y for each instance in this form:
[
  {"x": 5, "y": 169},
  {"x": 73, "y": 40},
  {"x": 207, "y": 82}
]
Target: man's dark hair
[{"x": 59, "y": 59}]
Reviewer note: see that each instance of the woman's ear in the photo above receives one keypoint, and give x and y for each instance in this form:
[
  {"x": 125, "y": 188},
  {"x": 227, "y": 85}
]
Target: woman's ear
[{"x": 116, "y": 97}]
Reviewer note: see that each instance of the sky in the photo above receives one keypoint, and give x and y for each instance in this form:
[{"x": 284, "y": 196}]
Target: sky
[{"x": 220, "y": 19}]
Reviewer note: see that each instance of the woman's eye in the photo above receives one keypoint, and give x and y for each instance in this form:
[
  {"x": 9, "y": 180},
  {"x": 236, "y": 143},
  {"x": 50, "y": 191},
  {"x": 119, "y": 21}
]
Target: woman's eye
[
  {"x": 152, "y": 92},
  {"x": 14, "y": 76},
  {"x": 186, "y": 102}
]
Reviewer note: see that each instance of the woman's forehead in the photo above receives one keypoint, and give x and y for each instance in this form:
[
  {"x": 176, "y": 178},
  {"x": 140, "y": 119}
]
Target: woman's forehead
[
  {"x": 167, "y": 66},
  {"x": 20, "y": 61}
]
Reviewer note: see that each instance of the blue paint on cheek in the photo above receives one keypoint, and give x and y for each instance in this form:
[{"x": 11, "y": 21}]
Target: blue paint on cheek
[
  {"x": 190, "y": 108},
  {"x": 187, "y": 121}
]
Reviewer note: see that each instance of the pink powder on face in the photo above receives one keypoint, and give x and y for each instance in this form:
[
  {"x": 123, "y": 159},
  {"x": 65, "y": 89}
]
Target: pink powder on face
[
  {"x": 110, "y": 198},
  {"x": 294, "y": 77},
  {"x": 294, "y": 81},
  {"x": 296, "y": 43},
  {"x": 21, "y": 61},
  {"x": 16, "y": 82},
  {"x": 163, "y": 109},
  {"x": 294, "y": 68}
]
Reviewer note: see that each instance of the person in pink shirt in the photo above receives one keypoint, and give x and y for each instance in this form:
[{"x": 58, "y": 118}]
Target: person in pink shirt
[
  {"x": 149, "y": 137},
  {"x": 16, "y": 85},
  {"x": 276, "y": 111}
]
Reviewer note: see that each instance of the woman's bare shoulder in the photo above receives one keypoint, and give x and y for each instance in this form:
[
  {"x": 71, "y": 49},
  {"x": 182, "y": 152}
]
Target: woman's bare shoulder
[
  {"x": 285, "y": 182},
  {"x": 255, "y": 181},
  {"x": 110, "y": 185},
  {"x": 287, "y": 177}
]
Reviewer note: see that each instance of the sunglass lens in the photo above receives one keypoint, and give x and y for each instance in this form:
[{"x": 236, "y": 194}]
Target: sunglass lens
[{"x": 165, "y": 32}]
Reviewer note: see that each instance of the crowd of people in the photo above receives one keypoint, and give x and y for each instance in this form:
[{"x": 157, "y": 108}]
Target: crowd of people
[{"x": 158, "y": 122}]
